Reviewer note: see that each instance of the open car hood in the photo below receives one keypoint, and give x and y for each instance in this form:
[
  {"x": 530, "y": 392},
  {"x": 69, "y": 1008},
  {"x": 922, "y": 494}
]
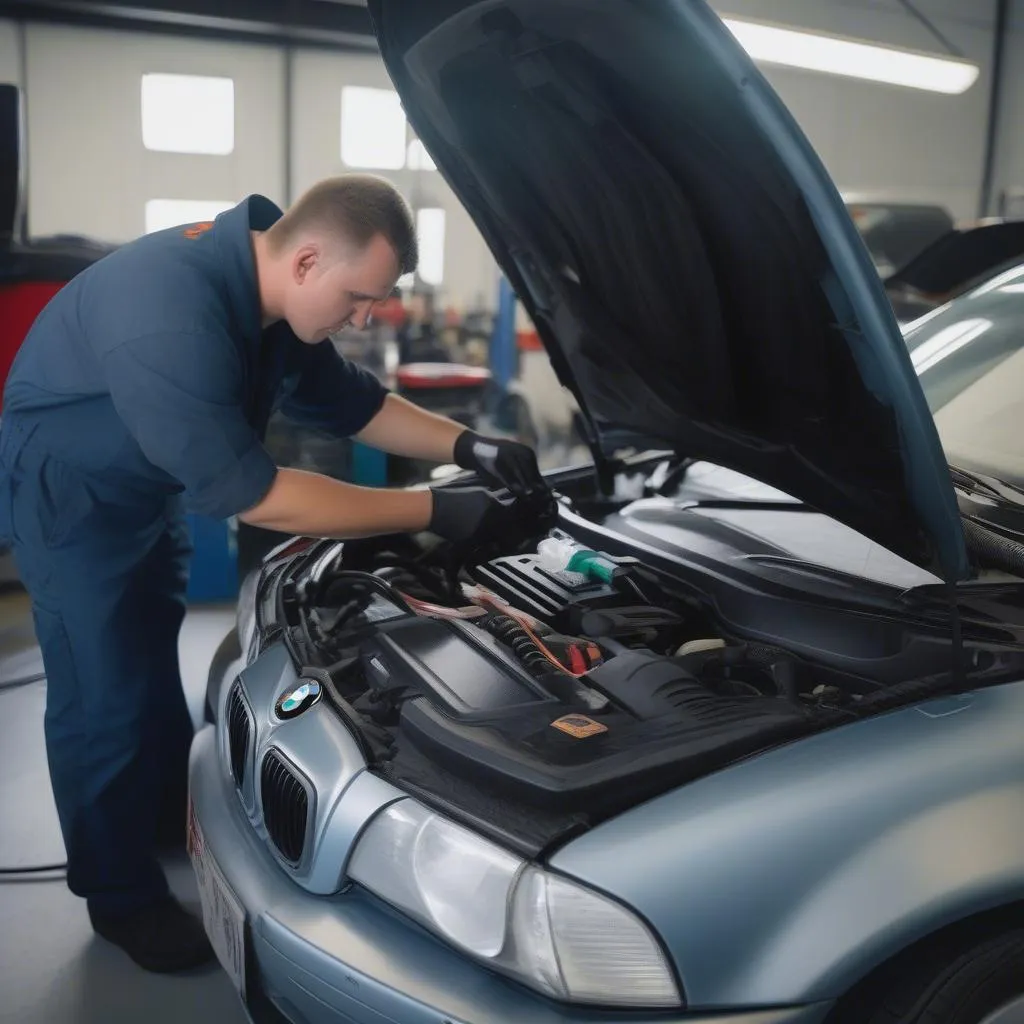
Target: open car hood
[{"x": 682, "y": 252}]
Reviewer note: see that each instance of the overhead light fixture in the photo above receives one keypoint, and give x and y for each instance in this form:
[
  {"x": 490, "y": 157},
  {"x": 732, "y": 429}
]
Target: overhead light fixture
[{"x": 851, "y": 58}]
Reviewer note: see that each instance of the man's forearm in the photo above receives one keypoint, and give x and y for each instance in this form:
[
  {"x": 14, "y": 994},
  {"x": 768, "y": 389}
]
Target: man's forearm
[
  {"x": 312, "y": 505},
  {"x": 402, "y": 428}
]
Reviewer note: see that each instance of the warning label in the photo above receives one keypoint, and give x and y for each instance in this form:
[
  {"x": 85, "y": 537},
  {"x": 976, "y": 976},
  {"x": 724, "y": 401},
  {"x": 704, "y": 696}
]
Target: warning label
[{"x": 579, "y": 726}]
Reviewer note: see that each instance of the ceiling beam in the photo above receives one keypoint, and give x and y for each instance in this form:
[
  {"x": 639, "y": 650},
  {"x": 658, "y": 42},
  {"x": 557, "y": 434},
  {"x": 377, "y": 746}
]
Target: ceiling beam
[{"x": 301, "y": 22}]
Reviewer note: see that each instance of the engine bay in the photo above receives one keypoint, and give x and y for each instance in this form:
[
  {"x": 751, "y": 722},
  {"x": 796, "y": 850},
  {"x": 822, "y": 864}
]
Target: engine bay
[
  {"x": 520, "y": 688},
  {"x": 534, "y": 691}
]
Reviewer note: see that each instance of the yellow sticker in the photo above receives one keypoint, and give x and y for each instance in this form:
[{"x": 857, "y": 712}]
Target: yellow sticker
[{"x": 579, "y": 726}]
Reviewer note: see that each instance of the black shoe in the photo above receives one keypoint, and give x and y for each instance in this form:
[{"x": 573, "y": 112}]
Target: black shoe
[{"x": 162, "y": 938}]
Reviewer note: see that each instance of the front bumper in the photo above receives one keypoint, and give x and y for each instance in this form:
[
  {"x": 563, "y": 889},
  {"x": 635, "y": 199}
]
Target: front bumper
[{"x": 348, "y": 959}]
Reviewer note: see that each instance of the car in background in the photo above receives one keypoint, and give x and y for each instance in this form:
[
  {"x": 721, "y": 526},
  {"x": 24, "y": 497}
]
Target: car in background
[
  {"x": 896, "y": 232},
  {"x": 969, "y": 356},
  {"x": 924, "y": 258},
  {"x": 736, "y": 737},
  {"x": 953, "y": 264}
]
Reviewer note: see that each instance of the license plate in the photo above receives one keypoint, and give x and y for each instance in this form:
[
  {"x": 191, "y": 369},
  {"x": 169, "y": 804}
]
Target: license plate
[{"x": 223, "y": 915}]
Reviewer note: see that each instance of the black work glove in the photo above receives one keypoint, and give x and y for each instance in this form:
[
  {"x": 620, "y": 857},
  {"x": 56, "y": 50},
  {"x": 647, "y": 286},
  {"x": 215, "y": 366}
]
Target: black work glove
[
  {"x": 501, "y": 463},
  {"x": 470, "y": 514}
]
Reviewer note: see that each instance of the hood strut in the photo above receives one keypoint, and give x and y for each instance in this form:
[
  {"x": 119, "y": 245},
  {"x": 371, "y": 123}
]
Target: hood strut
[{"x": 604, "y": 471}]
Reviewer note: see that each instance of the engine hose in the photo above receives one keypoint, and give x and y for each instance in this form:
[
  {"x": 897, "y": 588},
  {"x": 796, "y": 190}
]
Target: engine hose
[
  {"x": 910, "y": 692},
  {"x": 781, "y": 665},
  {"x": 764, "y": 654},
  {"x": 507, "y": 631},
  {"x": 994, "y": 551},
  {"x": 441, "y": 611}
]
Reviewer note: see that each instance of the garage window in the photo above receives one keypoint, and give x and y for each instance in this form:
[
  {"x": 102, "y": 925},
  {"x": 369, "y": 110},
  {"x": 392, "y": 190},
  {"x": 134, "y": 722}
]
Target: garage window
[
  {"x": 373, "y": 131},
  {"x": 188, "y": 114},
  {"x": 169, "y": 213},
  {"x": 430, "y": 235}
]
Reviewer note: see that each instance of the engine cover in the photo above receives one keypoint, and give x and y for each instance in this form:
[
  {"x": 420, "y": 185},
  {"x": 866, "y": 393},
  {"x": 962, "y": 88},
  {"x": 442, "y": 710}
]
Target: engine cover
[
  {"x": 574, "y": 604},
  {"x": 470, "y": 709},
  {"x": 459, "y": 669},
  {"x": 552, "y": 596}
]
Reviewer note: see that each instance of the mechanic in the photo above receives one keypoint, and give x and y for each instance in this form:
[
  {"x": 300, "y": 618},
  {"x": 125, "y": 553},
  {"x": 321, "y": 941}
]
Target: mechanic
[{"x": 143, "y": 389}]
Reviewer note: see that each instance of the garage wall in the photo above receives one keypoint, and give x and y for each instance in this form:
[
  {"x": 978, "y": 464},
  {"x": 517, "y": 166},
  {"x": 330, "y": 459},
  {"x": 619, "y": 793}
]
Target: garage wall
[
  {"x": 886, "y": 140},
  {"x": 470, "y": 274},
  {"x": 84, "y": 117},
  {"x": 83, "y": 94}
]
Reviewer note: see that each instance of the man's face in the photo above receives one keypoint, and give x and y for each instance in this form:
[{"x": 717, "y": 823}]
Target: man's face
[{"x": 329, "y": 291}]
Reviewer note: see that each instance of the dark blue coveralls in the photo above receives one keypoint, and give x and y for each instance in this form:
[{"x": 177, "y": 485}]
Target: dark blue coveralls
[{"x": 143, "y": 388}]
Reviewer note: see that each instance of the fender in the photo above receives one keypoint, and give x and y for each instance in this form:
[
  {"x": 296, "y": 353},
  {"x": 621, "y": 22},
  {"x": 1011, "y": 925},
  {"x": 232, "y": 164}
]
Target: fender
[{"x": 787, "y": 878}]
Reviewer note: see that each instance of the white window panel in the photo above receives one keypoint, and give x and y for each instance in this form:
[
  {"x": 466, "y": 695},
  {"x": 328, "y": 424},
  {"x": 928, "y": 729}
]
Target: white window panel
[
  {"x": 188, "y": 114},
  {"x": 430, "y": 235},
  {"x": 418, "y": 158},
  {"x": 372, "y": 128},
  {"x": 169, "y": 213}
]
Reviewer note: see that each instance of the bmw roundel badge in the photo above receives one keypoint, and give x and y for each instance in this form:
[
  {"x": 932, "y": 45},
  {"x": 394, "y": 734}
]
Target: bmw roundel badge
[{"x": 302, "y": 698}]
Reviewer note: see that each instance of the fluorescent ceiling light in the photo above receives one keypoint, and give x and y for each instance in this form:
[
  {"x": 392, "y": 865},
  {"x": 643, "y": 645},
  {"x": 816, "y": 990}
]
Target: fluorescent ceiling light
[{"x": 835, "y": 56}]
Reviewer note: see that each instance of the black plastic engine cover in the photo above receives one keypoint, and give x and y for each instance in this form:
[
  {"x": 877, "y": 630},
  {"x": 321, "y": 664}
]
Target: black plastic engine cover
[
  {"x": 468, "y": 707},
  {"x": 550, "y": 596},
  {"x": 648, "y": 686},
  {"x": 458, "y": 668},
  {"x": 552, "y": 756}
]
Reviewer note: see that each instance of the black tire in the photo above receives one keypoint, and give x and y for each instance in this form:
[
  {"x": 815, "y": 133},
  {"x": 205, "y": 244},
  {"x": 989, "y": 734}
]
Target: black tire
[{"x": 971, "y": 987}]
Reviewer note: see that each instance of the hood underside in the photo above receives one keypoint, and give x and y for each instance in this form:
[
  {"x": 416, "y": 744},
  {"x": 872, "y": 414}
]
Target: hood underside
[{"x": 684, "y": 256}]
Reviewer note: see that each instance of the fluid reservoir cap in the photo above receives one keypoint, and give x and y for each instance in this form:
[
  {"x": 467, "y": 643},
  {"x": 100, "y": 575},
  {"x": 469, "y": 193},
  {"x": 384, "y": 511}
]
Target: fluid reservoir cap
[
  {"x": 698, "y": 646},
  {"x": 555, "y": 554}
]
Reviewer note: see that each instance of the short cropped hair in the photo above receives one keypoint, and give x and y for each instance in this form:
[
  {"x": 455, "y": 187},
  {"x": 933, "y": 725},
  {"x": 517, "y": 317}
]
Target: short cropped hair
[{"x": 355, "y": 208}]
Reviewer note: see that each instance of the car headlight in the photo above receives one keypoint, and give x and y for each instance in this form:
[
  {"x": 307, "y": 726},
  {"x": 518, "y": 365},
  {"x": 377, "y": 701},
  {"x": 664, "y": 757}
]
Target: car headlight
[{"x": 550, "y": 933}]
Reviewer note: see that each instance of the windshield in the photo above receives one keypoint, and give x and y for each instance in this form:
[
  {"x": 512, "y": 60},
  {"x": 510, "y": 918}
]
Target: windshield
[{"x": 969, "y": 356}]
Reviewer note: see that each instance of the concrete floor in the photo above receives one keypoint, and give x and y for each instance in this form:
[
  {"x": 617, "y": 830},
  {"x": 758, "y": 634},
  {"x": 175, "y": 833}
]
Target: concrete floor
[{"x": 53, "y": 969}]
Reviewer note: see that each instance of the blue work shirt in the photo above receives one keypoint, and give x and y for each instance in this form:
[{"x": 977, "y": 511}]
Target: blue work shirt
[{"x": 153, "y": 370}]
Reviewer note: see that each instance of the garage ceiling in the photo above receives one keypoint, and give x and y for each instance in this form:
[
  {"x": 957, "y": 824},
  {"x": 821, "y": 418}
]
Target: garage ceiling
[
  {"x": 335, "y": 23},
  {"x": 979, "y": 13},
  {"x": 331, "y": 23}
]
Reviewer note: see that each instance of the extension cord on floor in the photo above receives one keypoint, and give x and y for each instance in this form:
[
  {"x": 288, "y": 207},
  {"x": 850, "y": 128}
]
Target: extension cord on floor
[
  {"x": 15, "y": 684},
  {"x": 12, "y": 874}
]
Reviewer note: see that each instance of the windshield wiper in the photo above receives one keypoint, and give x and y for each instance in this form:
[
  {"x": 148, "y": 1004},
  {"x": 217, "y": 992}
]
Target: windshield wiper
[
  {"x": 989, "y": 486},
  {"x": 748, "y": 504}
]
